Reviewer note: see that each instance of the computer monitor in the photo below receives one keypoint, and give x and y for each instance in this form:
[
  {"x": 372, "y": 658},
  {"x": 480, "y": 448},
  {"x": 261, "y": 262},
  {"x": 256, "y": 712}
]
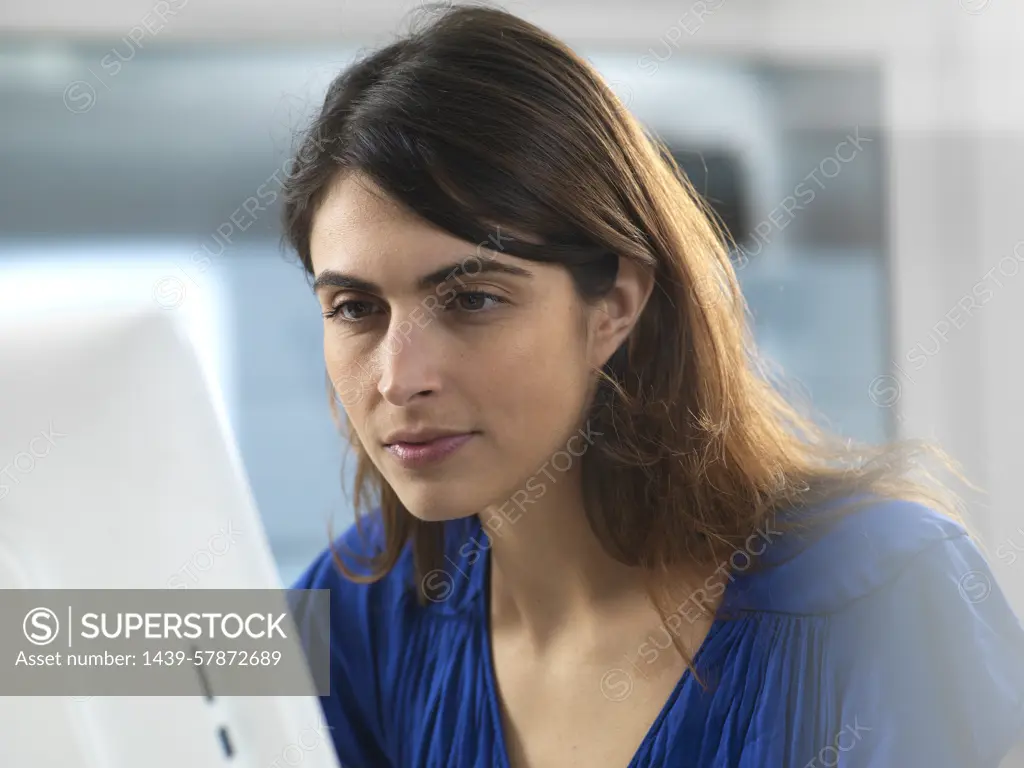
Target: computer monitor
[{"x": 118, "y": 470}]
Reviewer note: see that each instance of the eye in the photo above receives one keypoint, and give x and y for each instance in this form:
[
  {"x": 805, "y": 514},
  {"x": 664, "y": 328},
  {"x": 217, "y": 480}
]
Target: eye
[
  {"x": 350, "y": 311},
  {"x": 474, "y": 301}
]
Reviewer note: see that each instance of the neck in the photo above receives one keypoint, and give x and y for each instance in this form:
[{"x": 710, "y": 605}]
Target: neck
[{"x": 548, "y": 569}]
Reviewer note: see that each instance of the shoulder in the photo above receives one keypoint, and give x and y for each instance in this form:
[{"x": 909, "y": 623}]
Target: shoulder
[
  {"x": 909, "y": 633},
  {"x": 834, "y": 558},
  {"x": 937, "y": 653}
]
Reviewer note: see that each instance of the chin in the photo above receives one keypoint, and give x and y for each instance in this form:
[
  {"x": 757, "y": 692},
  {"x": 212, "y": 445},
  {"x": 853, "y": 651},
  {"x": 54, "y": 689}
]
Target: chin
[{"x": 440, "y": 503}]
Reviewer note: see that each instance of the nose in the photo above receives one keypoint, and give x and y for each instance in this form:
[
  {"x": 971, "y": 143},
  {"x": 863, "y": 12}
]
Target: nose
[{"x": 409, "y": 363}]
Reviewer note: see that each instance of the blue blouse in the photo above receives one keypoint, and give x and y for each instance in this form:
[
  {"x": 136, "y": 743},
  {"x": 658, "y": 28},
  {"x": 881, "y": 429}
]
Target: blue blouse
[{"x": 883, "y": 643}]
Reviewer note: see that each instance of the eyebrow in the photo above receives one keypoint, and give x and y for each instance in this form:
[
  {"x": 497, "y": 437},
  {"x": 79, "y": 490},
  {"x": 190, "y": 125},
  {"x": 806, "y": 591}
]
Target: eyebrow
[{"x": 330, "y": 277}]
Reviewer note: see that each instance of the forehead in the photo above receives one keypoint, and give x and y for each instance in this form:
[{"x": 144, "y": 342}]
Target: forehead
[
  {"x": 354, "y": 199},
  {"x": 357, "y": 224}
]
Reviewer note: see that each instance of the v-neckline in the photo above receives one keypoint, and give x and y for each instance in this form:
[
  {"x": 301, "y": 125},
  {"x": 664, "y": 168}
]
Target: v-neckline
[{"x": 491, "y": 681}]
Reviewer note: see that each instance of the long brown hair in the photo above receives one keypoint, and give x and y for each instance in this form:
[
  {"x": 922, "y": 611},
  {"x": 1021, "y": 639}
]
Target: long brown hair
[{"x": 482, "y": 120}]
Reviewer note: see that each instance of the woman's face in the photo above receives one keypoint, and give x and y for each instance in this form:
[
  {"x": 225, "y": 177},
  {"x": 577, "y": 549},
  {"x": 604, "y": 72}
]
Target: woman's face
[{"x": 482, "y": 358}]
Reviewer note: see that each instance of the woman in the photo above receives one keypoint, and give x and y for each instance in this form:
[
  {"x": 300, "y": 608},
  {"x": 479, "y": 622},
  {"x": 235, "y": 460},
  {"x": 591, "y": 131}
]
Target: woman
[{"x": 592, "y": 532}]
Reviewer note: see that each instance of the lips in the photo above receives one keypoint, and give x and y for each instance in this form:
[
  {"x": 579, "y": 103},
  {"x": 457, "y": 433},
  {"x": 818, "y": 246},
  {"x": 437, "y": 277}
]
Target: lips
[
  {"x": 421, "y": 436},
  {"x": 414, "y": 454}
]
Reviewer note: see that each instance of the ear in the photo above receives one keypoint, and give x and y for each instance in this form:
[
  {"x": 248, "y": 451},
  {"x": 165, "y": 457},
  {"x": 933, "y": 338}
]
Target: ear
[{"x": 615, "y": 313}]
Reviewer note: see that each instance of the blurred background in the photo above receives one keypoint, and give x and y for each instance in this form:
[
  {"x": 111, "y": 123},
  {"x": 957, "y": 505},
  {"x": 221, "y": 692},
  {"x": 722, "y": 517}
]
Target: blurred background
[{"x": 866, "y": 157}]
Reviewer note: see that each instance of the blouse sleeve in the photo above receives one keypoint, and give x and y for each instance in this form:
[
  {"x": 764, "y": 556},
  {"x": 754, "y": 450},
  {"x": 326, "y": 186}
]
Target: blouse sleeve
[
  {"x": 934, "y": 668},
  {"x": 352, "y": 710}
]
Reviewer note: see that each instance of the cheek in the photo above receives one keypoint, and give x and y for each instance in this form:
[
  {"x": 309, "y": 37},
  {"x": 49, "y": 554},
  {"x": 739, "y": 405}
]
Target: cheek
[
  {"x": 540, "y": 381},
  {"x": 334, "y": 356},
  {"x": 350, "y": 380}
]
